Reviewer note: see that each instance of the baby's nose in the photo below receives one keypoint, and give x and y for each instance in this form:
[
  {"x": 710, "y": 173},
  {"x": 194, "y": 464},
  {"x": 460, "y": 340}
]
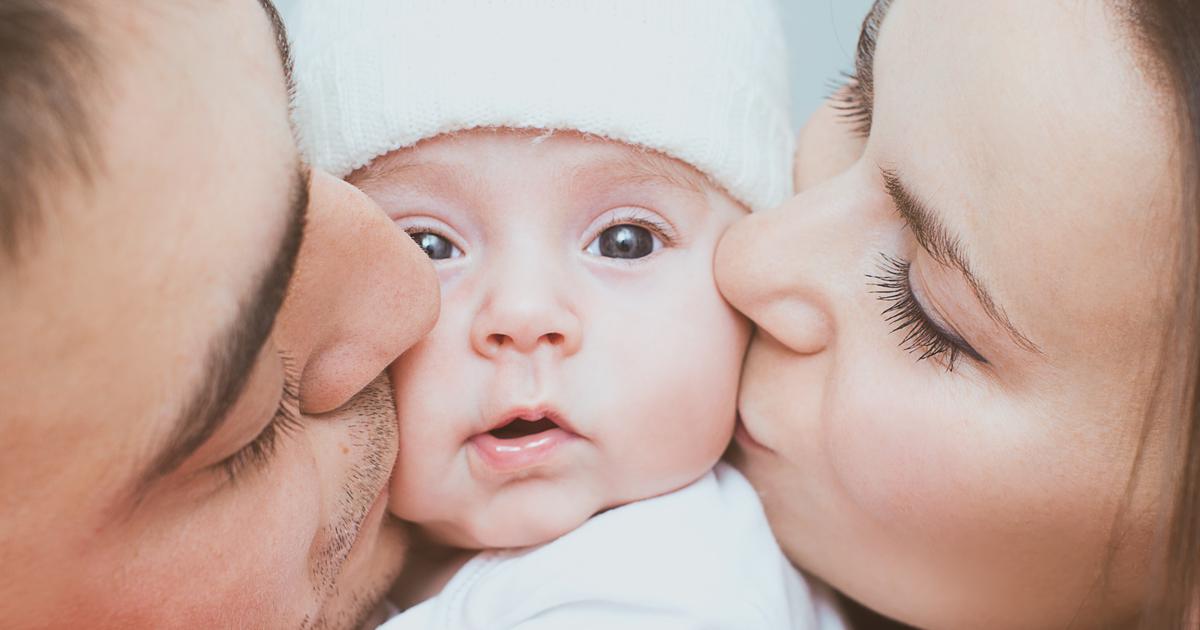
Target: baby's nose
[{"x": 525, "y": 321}]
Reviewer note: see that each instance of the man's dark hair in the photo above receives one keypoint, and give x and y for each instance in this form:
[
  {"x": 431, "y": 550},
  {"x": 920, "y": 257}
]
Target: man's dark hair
[{"x": 46, "y": 61}]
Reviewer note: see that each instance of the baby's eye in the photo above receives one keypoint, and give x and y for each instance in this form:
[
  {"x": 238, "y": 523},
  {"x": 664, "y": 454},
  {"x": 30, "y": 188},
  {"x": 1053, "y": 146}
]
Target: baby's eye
[
  {"x": 436, "y": 246},
  {"x": 626, "y": 241}
]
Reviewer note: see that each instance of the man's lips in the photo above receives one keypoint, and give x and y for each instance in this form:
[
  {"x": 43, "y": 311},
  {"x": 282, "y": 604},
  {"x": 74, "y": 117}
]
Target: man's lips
[
  {"x": 369, "y": 524},
  {"x": 522, "y": 438},
  {"x": 742, "y": 436}
]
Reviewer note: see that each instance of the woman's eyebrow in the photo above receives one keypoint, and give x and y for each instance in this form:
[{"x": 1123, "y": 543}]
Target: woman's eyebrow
[{"x": 946, "y": 248}]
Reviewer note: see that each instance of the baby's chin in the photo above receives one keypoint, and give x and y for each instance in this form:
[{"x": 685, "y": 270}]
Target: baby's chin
[
  {"x": 509, "y": 529},
  {"x": 527, "y": 518},
  {"x": 534, "y": 509},
  {"x": 523, "y": 514}
]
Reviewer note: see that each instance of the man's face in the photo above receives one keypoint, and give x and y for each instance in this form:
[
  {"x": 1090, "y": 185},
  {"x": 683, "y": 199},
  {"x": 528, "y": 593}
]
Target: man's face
[{"x": 174, "y": 455}]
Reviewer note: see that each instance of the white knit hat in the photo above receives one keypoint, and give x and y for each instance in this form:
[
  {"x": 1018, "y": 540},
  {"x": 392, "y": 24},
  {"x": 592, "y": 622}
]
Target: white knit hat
[{"x": 703, "y": 81}]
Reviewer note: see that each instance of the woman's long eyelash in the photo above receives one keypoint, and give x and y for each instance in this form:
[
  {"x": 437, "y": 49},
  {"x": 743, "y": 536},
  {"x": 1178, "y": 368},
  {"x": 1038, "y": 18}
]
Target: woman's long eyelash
[
  {"x": 855, "y": 97},
  {"x": 921, "y": 334},
  {"x": 285, "y": 422},
  {"x": 852, "y": 105}
]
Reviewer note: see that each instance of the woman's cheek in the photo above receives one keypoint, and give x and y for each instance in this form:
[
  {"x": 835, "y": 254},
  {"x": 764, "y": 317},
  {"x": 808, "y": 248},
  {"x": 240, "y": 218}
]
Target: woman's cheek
[
  {"x": 887, "y": 460},
  {"x": 933, "y": 462},
  {"x": 913, "y": 457}
]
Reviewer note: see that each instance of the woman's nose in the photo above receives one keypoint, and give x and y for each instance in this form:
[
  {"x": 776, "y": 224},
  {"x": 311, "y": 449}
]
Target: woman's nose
[
  {"x": 362, "y": 293},
  {"x": 524, "y": 312},
  {"x": 784, "y": 268}
]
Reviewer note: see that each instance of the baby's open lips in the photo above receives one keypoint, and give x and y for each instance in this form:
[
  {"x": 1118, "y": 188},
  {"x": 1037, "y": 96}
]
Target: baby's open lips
[
  {"x": 522, "y": 439},
  {"x": 520, "y": 428},
  {"x": 524, "y": 421}
]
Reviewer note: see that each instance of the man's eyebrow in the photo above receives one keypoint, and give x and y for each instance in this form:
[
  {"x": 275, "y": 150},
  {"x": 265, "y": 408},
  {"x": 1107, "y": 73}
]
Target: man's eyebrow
[
  {"x": 234, "y": 351},
  {"x": 946, "y": 248},
  {"x": 281, "y": 42}
]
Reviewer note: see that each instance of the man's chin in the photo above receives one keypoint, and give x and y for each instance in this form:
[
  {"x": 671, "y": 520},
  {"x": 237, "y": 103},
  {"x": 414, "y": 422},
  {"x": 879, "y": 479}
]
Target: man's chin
[
  {"x": 359, "y": 599},
  {"x": 361, "y": 551}
]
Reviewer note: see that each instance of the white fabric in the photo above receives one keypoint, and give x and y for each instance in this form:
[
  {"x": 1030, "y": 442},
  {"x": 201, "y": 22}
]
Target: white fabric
[
  {"x": 704, "y": 81},
  {"x": 701, "y": 558}
]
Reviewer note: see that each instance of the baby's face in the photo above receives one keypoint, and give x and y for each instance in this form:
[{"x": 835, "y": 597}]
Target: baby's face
[{"x": 583, "y": 358}]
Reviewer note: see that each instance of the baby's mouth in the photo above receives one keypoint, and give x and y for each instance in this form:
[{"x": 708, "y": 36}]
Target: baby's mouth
[
  {"x": 520, "y": 428},
  {"x": 528, "y": 438}
]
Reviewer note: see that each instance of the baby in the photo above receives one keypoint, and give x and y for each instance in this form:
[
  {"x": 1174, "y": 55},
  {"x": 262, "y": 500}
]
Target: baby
[{"x": 569, "y": 166}]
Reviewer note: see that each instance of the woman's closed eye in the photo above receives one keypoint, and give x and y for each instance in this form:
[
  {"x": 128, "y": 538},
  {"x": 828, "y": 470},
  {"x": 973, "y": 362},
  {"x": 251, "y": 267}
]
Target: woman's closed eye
[{"x": 922, "y": 334}]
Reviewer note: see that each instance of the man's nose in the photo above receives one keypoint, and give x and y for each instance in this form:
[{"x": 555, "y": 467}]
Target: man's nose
[
  {"x": 526, "y": 308},
  {"x": 362, "y": 294}
]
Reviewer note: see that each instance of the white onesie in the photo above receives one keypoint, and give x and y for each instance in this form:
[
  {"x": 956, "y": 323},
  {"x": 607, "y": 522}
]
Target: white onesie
[{"x": 699, "y": 558}]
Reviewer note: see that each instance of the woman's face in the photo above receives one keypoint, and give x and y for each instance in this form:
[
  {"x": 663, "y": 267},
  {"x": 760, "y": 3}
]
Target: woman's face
[{"x": 944, "y": 399}]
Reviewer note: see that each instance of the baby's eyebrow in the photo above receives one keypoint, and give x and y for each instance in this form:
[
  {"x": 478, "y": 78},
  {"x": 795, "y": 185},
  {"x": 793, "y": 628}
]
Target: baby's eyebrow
[
  {"x": 389, "y": 167},
  {"x": 645, "y": 167},
  {"x": 407, "y": 173}
]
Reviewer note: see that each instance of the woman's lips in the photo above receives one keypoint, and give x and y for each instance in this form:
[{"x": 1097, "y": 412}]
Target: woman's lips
[{"x": 517, "y": 454}]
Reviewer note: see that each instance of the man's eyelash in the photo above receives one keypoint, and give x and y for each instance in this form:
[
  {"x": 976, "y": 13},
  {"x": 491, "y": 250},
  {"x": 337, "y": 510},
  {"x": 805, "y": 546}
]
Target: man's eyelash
[
  {"x": 284, "y": 423},
  {"x": 921, "y": 334}
]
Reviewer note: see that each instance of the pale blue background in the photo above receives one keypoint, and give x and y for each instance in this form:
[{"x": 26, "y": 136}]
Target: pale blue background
[{"x": 821, "y": 35}]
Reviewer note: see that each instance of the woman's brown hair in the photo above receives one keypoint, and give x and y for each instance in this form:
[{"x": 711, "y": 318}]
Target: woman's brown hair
[{"x": 1170, "y": 32}]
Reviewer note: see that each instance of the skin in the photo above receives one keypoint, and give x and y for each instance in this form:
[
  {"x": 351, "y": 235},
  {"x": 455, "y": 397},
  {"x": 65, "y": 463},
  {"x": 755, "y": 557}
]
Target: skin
[
  {"x": 996, "y": 495},
  {"x": 105, "y": 325},
  {"x": 532, "y": 317}
]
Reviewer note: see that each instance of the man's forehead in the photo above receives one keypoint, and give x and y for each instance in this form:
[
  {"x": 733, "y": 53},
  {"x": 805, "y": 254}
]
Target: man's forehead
[{"x": 150, "y": 262}]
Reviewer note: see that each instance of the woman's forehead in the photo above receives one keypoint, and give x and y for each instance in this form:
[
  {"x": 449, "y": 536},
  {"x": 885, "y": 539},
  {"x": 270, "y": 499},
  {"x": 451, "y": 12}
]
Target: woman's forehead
[{"x": 1030, "y": 127}]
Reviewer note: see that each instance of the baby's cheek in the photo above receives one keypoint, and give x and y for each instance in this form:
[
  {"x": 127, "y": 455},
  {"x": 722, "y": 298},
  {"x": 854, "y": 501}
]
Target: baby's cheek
[
  {"x": 679, "y": 403},
  {"x": 680, "y": 428},
  {"x": 420, "y": 396}
]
